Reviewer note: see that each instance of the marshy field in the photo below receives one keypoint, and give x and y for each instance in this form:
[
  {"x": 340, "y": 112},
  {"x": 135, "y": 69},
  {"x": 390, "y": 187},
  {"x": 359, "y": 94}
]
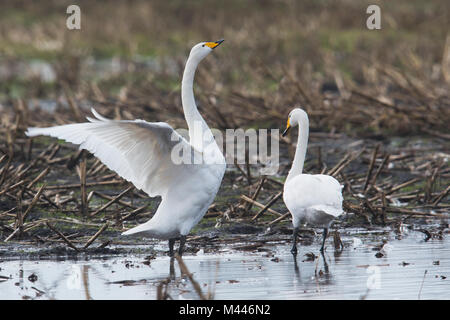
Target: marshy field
[{"x": 379, "y": 109}]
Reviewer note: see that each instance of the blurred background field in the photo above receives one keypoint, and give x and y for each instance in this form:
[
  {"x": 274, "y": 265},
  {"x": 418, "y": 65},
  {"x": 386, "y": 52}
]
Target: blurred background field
[{"x": 129, "y": 55}]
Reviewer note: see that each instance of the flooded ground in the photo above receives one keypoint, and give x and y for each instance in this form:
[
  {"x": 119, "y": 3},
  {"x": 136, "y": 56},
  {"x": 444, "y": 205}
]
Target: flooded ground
[
  {"x": 230, "y": 255},
  {"x": 377, "y": 126},
  {"x": 407, "y": 268}
]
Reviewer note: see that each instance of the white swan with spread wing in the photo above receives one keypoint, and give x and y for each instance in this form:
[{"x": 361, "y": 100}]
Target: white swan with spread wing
[{"x": 141, "y": 152}]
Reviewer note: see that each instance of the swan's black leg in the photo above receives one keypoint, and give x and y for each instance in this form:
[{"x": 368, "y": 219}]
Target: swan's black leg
[
  {"x": 325, "y": 263},
  {"x": 172, "y": 269},
  {"x": 296, "y": 268},
  {"x": 171, "y": 244},
  {"x": 182, "y": 242},
  {"x": 325, "y": 233},
  {"x": 294, "y": 241}
]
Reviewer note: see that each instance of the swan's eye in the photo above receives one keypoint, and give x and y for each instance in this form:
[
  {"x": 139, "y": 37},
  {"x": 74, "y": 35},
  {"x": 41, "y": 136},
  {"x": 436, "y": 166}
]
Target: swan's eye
[{"x": 203, "y": 45}]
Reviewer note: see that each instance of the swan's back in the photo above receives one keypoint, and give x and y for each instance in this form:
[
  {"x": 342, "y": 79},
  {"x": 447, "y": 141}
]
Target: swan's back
[{"x": 316, "y": 199}]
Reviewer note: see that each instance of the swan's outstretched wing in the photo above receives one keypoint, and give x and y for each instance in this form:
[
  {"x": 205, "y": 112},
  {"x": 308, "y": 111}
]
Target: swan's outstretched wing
[{"x": 138, "y": 151}]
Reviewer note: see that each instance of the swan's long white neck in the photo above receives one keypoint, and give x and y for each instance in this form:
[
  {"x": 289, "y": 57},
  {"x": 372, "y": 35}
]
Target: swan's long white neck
[
  {"x": 300, "y": 152},
  {"x": 199, "y": 132}
]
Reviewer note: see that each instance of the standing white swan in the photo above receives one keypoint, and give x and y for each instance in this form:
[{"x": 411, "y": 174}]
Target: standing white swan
[
  {"x": 142, "y": 152},
  {"x": 311, "y": 198}
]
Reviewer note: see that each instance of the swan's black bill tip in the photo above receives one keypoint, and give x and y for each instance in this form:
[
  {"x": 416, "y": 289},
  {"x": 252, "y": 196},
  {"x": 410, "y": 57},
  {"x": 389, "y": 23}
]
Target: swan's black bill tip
[
  {"x": 218, "y": 42},
  {"x": 285, "y": 132}
]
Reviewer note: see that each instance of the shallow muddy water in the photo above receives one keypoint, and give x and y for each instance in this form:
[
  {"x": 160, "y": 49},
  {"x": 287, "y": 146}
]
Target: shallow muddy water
[{"x": 411, "y": 268}]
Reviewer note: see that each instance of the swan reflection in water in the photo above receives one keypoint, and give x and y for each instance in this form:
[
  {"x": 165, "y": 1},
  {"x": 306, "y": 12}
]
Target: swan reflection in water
[{"x": 316, "y": 276}]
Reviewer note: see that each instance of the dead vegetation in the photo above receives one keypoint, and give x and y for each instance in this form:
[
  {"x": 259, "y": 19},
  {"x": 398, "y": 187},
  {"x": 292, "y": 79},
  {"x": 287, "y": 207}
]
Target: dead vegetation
[{"x": 311, "y": 55}]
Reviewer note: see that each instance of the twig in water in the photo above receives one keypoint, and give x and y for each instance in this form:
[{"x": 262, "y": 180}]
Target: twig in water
[
  {"x": 338, "y": 245},
  {"x": 96, "y": 235},
  {"x": 105, "y": 244},
  {"x": 421, "y": 286},
  {"x": 184, "y": 270},
  {"x": 161, "y": 290},
  {"x": 63, "y": 237}
]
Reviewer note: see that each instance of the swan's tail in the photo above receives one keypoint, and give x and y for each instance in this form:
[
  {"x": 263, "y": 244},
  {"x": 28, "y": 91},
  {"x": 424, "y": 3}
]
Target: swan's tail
[
  {"x": 328, "y": 210},
  {"x": 142, "y": 228}
]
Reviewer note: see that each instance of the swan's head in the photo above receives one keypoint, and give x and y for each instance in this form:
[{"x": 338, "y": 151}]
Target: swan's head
[
  {"x": 296, "y": 117},
  {"x": 202, "y": 49}
]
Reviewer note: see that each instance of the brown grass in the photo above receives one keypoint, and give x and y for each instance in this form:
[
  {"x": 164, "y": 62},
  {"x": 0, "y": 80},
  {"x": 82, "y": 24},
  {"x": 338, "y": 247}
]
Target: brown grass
[{"x": 277, "y": 55}]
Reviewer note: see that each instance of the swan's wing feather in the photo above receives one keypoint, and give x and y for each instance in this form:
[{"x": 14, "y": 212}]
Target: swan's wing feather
[{"x": 138, "y": 151}]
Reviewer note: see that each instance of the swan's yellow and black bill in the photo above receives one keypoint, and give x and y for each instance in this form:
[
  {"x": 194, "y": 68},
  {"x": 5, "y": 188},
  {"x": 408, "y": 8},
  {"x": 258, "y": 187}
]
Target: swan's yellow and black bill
[
  {"x": 212, "y": 45},
  {"x": 288, "y": 127}
]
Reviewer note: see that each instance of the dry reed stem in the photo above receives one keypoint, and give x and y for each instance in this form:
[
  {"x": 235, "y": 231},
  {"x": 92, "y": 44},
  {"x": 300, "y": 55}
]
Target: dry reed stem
[
  {"x": 112, "y": 201},
  {"x": 63, "y": 237},
  {"x": 95, "y": 236},
  {"x": 268, "y": 205},
  {"x": 258, "y": 204}
]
